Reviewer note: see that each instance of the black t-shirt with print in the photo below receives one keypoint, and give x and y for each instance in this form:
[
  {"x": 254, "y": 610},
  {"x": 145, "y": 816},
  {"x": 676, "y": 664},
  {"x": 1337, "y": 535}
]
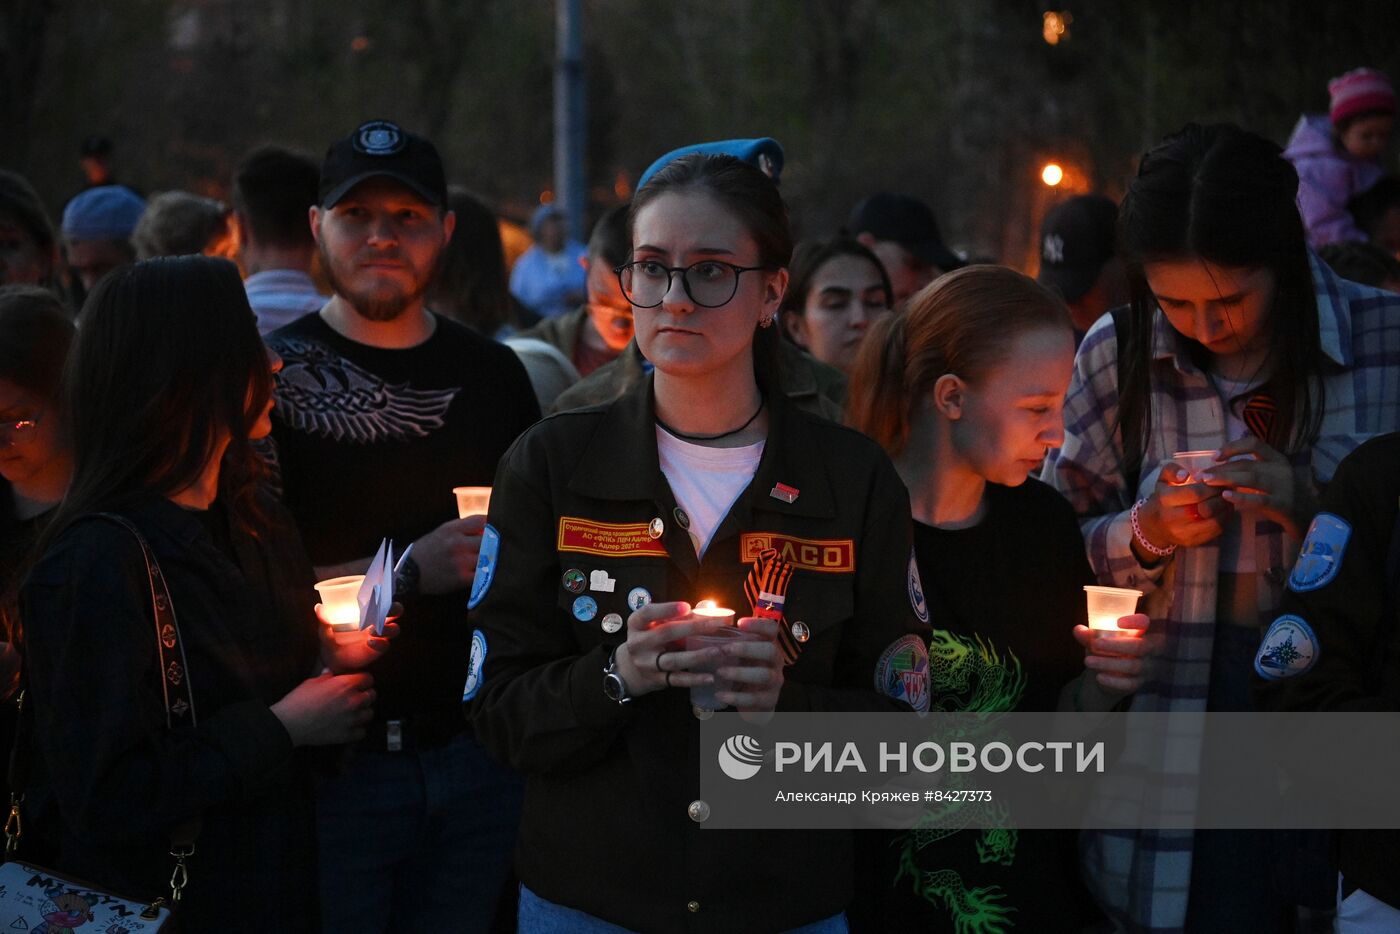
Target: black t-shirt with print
[
  {"x": 369, "y": 444},
  {"x": 1003, "y": 597}
]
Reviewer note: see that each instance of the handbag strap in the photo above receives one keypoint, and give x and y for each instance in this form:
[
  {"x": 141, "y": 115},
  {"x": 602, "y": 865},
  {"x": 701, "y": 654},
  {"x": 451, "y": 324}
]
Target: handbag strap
[
  {"x": 179, "y": 711},
  {"x": 174, "y": 669}
]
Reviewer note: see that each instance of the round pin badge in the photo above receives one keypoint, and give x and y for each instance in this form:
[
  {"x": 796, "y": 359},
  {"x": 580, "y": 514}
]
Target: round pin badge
[
  {"x": 612, "y": 622},
  {"x": 682, "y": 519},
  {"x": 574, "y": 580},
  {"x": 585, "y": 608},
  {"x": 638, "y": 597},
  {"x": 800, "y": 632},
  {"x": 656, "y": 527}
]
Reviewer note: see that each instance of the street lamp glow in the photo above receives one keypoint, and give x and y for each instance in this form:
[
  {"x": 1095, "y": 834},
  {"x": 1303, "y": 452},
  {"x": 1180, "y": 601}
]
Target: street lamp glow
[{"x": 1052, "y": 174}]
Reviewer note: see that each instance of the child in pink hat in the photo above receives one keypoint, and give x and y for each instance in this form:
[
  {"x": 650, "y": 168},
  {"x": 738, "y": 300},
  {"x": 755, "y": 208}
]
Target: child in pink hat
[{"x": 1338, "y": 155}]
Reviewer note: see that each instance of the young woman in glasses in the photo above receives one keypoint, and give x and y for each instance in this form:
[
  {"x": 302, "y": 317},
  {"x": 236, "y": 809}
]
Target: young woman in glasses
[{"x": 608, "y": 524}]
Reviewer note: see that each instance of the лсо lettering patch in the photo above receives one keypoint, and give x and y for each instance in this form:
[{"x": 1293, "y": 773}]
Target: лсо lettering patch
[{"x": 831, "y": 555}]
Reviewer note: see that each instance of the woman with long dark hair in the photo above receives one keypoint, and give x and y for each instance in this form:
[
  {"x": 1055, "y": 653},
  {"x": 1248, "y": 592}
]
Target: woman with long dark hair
[
  {"x": 608, "y": 523},
  {"x": 838, "y": 290},
  {"x": 472, "y": 284},
  {"x": 1240, "y": 343},
  {"x": 166, "y": 386}
]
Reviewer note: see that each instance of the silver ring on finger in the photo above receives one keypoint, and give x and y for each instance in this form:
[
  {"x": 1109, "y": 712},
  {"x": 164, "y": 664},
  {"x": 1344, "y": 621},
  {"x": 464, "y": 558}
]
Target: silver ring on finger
[
  {"x": 668, "y": 678},
  {"x": 659, "y": 657}
]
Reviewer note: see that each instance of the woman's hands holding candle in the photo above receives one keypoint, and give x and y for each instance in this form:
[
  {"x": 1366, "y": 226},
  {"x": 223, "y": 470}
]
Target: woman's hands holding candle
[
  {"x": 1262, "y": 480},
  {"x": 1181, "y": 512},
  {"x": 342, "y": 652},
  {"x": 757, "y": 667},
  {"x": 1115, "y": 659},
  {"x": 654, "y": 657}
]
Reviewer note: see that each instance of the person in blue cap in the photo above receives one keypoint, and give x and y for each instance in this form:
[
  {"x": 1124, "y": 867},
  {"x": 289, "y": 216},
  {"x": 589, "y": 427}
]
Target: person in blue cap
[
  {"x": 550, "y": 278},
  {"x": 97, "y": 226},
  {"x": 764, "y": 153}
]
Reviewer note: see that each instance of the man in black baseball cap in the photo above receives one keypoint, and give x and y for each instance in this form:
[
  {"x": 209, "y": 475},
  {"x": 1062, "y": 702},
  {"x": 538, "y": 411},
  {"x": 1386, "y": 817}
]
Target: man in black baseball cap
[
  {"x": 1077, "y": 258},
  {"x": 902, "y": 232},
  {"x": 382, "y": 148},
  {"x": 383, "y": 406}
]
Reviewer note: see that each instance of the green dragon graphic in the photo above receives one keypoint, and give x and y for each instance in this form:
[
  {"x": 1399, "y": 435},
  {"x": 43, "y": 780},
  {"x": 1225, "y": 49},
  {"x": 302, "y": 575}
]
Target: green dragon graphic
[{"x": 970, "y": 676}]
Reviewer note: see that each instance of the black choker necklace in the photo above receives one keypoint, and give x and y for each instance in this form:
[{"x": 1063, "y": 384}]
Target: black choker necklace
[{"x": 685, "y": 437}]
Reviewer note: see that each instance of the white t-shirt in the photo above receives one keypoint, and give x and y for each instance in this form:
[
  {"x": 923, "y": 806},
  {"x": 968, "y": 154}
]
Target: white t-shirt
[{"x": 706, "y": 481}]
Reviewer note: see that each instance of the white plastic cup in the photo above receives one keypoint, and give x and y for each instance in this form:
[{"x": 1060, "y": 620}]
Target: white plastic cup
[
  {"x": 472, "y": 500},
  {"x": 340, "y": 603},
  {"x": 1195, "y": 463},
  {"x": 703, "y": 695},
  {"x": 1108, "y": 604}
]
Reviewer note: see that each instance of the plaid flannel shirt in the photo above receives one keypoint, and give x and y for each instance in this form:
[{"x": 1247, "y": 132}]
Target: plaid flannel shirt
[{"x": 1142, "y": 877}]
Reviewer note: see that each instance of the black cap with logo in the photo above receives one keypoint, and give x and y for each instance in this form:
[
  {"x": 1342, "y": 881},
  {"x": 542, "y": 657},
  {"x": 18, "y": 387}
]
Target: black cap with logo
[
  {"x": 382, "y": 148},
  {"x": 1075, "y": 241},
  {"x": 908, "y": 222}
]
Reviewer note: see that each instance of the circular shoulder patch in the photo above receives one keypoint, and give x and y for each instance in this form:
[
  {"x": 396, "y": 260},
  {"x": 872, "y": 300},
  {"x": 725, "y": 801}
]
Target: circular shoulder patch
[
  {"x": 1289, "y": 648},
  {"x": 902, "y": 672},
  {"x": 485, "y": 565},
  {"x": 916, "y": 590},
  {"x": 1320, "y": 558},
  {"x": 478, "y": 659},
  {"x": 379, "y": 138}
]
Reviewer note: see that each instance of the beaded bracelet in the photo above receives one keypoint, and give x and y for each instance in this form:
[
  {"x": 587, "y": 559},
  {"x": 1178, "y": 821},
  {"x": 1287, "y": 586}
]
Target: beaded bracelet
[{"x": 1142, "y": 539}]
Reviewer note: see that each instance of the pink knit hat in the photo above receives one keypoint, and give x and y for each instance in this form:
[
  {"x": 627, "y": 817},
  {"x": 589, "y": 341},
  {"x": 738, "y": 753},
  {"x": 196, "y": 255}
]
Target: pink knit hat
[{"x": 1362, "y": 90}]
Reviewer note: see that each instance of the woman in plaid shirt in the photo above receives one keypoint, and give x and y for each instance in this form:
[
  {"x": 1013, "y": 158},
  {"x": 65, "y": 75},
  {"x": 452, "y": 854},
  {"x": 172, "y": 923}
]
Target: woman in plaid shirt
[{"x": 1240, "y": 342}]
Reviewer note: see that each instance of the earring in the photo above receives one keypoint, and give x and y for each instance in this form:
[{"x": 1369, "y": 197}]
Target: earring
[{"x": 766, "y": 321}]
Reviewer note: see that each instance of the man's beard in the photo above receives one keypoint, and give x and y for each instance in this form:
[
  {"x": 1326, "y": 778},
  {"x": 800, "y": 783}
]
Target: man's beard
[{"x": 382, "y": 304}]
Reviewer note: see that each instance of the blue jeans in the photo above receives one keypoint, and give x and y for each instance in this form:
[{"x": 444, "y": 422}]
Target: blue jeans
[
  {"x": 417, "y": 841},
  {"x": 538, "y": 916}
]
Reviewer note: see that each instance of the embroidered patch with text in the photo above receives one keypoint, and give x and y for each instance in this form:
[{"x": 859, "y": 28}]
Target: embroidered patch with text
[
  {"x": 833, "y": 556},
  {"x": 610, "y": 539}
]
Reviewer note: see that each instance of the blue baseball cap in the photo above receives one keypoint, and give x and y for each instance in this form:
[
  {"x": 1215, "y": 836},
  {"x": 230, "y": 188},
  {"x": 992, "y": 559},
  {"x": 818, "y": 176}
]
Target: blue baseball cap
[
  {"x": 751, "y": 151},
  {"x": 107, "y": 212}
]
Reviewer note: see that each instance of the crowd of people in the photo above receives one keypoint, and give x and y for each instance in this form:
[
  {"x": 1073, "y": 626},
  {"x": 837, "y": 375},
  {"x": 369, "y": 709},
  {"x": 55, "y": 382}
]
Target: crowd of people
[{"x": 206, "y": 409}]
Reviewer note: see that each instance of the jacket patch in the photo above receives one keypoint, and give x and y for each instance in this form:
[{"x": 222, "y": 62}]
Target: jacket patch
[
  {"x": 478, "y": 659},
  {"x": 1289, "y": 648},
  {"x": 609, "y": 539},
  {"x": 1320, "y": 558},
  {"x": 833, "y": 555},
  {"x": 485, "y": 565},
  {"x": 916, "y": 590},
  {"x": 903, "y": 672}
]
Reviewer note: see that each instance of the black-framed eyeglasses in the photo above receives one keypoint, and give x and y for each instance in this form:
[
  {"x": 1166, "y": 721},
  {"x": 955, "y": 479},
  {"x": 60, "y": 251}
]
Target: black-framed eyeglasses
[
  {"x": 18, "y": 430},
  {"x": 710, "y": 283}
]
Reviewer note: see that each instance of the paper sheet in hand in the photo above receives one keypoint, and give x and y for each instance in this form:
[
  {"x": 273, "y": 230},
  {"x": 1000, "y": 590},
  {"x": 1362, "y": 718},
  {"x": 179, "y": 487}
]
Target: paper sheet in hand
[{"x": 377, "y": 592}]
